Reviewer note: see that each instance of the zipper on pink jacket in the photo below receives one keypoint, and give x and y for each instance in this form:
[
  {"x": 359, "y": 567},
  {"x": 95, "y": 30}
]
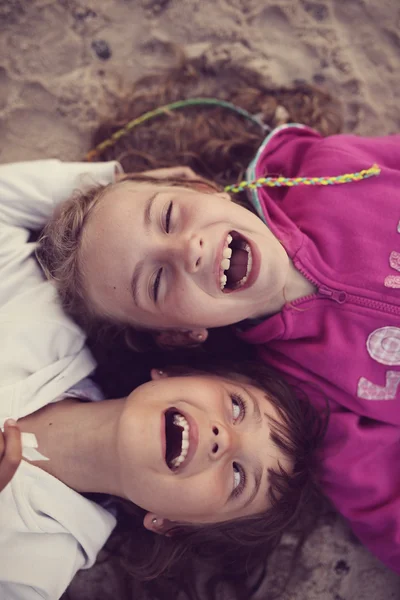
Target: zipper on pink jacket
[
  {"x": 336, "y": 295},
  {"x": 341, "y": 297}
]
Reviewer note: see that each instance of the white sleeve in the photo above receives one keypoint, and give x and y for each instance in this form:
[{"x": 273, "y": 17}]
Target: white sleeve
[
  {"x": 29, "y": 191},
  {"x": 43, "y": 351},
  {"x": 39, "y": 554},
  {"x": 40, "y": 566},
  {"x": 48, "y": 532},
  {"x": 19, "y": 592}
]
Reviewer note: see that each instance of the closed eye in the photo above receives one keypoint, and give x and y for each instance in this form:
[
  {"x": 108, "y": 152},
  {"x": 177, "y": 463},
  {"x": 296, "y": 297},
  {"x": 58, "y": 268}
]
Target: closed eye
[
  {"x": 156, "y": 284},
  {"x": 168, "y": 217}
]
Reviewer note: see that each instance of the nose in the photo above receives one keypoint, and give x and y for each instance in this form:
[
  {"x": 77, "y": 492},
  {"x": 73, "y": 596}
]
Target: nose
[
  {"x": 189, "y": 250},
  {"x": 223, "y": 441}
]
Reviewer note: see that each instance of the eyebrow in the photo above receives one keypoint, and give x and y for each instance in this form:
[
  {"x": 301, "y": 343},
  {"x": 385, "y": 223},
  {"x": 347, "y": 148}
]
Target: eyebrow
[
  {"x": 257, "y": 476},
  {"x": 258, "y": 470},
  {"x": 147, "y": 210},
  {"x": 137, "y": 273},
  {"x": 256, "y": 414}
]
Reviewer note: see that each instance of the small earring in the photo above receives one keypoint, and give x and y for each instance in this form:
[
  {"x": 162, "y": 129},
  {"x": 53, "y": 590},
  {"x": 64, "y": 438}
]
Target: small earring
[
  {"x": 160, "y": 372},
  {"x": 154, "y": 521}
]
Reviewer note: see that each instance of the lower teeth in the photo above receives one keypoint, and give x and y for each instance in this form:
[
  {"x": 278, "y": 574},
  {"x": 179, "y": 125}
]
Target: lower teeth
[{"x": 238, "y": 284}]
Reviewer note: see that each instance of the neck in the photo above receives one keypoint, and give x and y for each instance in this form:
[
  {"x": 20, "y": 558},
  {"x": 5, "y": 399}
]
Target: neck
[
  {"x": 80, "y": 439},
  {"x": 297, "y": 286}
]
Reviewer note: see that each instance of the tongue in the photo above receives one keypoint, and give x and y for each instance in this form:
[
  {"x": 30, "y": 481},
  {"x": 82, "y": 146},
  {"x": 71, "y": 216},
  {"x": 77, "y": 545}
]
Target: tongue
[
  {"x": 173, "y": 435},
  {"x": 238, "y": 268}
]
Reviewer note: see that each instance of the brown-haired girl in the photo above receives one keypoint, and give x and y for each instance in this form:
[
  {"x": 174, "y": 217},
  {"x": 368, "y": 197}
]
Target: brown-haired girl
[{"x": 220, "y": 459}]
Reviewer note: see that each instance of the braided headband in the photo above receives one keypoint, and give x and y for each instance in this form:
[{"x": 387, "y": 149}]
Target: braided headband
[{"x": 238, "y": 187}]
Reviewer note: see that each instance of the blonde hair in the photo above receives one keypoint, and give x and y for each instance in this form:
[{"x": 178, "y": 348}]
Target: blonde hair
[
  {"x": 58, "y": 251},
  {"x": 216, "y": 143}
]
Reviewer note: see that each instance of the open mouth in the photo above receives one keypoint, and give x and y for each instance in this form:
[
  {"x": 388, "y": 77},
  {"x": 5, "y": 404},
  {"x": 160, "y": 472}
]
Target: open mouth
[
  {"x": 236, "y": 263},
  {"x": 177, "y": 439}
]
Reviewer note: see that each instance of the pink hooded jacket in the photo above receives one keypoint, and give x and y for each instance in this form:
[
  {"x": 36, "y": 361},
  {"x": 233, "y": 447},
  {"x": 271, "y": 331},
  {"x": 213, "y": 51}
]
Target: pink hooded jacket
[{"x": 342, "y": 344}]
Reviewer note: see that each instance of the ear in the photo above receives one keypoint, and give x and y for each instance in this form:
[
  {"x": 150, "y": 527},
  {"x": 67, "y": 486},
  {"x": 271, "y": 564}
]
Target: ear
[
  {"x": 157, "y": 524},
  {"x": 157, "y": 374},
  {"x": 175, "y": 338}
]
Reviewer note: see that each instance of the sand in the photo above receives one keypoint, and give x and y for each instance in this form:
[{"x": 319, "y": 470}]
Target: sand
[{"x": 66, "y": 64}]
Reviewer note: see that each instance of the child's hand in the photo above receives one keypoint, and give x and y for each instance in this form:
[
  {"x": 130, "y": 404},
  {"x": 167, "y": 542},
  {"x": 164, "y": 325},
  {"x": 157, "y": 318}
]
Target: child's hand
[
  {"x": 180, "y": 172},
  {"x": 10, "y": 452}
]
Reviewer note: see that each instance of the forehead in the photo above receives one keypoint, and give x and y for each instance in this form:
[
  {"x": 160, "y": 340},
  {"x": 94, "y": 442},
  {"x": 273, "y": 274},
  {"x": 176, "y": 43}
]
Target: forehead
[
  {"x": 195, "y": 379},
  {"x": 134, "y": 195},
  {"x": 213, "y": 378},
  {"x": 117, "y": 211},
  {"x": 131, "y": 194},
  {"x": 238, "y": 381}
]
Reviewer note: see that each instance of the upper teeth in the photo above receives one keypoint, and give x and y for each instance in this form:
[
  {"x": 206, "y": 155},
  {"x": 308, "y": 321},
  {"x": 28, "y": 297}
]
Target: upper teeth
[
  {"x": 226, "y": 262},
  {"x": 181, "y": 421}
]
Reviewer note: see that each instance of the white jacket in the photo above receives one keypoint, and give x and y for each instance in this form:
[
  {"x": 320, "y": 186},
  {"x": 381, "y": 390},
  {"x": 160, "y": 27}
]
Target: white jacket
[{"x": 47, "y": 530}]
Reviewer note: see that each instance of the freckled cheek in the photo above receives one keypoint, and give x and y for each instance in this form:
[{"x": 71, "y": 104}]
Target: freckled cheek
[{"x": 183, "y": 298}]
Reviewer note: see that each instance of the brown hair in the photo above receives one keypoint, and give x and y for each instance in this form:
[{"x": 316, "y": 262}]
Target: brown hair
[
  {"x": 239, "y": 546},
  {"x": 215, "y": 142}
]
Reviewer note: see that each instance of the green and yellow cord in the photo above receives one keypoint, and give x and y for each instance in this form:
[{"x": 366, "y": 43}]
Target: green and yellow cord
[
  {"x": 239, "y": 187},
  {"x": 293, "y": 181}
]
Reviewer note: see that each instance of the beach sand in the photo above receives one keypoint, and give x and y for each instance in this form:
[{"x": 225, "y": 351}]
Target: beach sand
[{"x": 66, "y": 64}]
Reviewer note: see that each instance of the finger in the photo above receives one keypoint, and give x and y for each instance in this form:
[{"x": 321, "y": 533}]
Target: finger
[
  {"x": 281, "y": 115},
  {"x": 12, "y": 452},
  {"x": 2, "y": 445},
  {"x": 119, "y": 176},
  {"x": 184, "y": 173},
  {"x": 179, "y": 172}
]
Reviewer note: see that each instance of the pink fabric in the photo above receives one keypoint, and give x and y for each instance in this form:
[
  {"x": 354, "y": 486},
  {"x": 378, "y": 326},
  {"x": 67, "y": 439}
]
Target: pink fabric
[{"x": 343, "y": 343}]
